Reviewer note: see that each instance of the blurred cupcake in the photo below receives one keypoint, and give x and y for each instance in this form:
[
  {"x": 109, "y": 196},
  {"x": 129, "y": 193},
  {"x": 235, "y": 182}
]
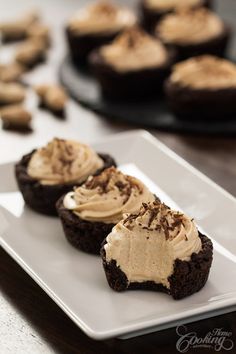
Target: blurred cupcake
[
  {"x": 47, "y": 173},
  {"x": 153, "y": 10},
  {"x": 89, "y": 212},
  {"x": 96, "y": 25},
  {"x": 133, "y": 65},
  {"x": 203, "y": 87},
  {"x": 194, "y": 33}
]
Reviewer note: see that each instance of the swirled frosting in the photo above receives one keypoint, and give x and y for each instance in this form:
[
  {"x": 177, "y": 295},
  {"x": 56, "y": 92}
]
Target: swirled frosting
[
  {"x": 205, "y": 72},
  {"x": 101, "y": 17},
  {"x": 63, "y": 162},
  {"x": 172, "y": 5},
  {"x": 133, "y": 50},
  {"x": 188, "y": 27},
  {"x": 107, "y": 197},
  {"x": 145, "y": 245}
]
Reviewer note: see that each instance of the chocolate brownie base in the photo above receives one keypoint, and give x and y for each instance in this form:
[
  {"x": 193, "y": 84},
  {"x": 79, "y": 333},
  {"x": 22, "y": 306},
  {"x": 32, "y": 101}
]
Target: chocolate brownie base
[
  {"x": 42, "y": 198},
  {"x": 84, "y": 235},
  {"x": 201, "y": 104},
  {"x": 132, "y": 84},
  {"x": 81, "y": 45},
  {"x": 216, "y": 46},
  {"x": 149, "y": 17},
  {"x": 188, "y": 276}
]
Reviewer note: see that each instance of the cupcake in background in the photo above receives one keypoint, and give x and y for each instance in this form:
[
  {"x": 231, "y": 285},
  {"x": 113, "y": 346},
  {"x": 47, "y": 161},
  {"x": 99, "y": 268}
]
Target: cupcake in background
[
  {"x": 45, "y": 174},
  {"x": 133, "y": 66},
  {"x": 194, "y": 32},
  {"x": 202, "y": 88},
  {"x": 95, "y": 25}
]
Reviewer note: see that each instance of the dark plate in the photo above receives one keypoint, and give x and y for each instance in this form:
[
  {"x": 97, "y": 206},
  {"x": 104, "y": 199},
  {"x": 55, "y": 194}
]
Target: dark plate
[{"x": 150, "y": 114}]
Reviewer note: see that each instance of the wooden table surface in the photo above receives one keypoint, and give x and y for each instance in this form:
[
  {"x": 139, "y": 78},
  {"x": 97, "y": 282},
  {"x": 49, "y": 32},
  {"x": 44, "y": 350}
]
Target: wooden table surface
[{"x": 30, "y": 322}]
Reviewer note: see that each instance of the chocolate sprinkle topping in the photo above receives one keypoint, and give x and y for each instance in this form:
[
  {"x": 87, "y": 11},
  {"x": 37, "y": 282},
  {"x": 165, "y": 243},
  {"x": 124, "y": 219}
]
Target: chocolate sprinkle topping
[
  {"x": 123, "y": 182},
  {"x": 156, "y": 211}
]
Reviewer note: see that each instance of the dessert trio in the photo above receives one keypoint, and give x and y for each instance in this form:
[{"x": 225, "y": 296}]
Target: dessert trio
[{"x": 143, "y": 243}]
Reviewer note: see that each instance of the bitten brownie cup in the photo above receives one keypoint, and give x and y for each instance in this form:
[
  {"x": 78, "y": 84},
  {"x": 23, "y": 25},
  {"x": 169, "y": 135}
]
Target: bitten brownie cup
[
  {"x": 153, "y": 10},
  {"x": 89, "y": 212},
  {"x": 194, "y": 33},
  {"x": 157, "y": 249},
  {"x": 134, "y": 65},
  {"x": 47, "y": 173},
  {"x": 202, "y": 88},
  {"x": 95, "y": 25}
]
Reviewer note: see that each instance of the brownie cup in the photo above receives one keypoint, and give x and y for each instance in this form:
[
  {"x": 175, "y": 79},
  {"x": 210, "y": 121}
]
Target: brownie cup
[
  {"x": 89, "y": 212},
  {"x": 95, "y": 25},
  {"x": 133, "y": 66},
  {"x": 44, "y": 175},
  {"x": 202, "y": 88},
  {"x": 157, "y": 249},
  {"x": 194, "y": 32},
  {"x": 154, "y": 10}
]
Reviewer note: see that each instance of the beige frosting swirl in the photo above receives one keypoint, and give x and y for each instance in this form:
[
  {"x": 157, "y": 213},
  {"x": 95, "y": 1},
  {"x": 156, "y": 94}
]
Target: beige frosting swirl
[
  {"x": 101, "y": 17},
  {"x": 108, "y": 196},
  {"x": 145, "y": 245},
  {"x": 63, "y": 161},
  {"x": 172, "y": 5},
  {"x": 133, "y": 50},
  {"x": 205, "y": 72},
  {"x": 187, "y": 27}
]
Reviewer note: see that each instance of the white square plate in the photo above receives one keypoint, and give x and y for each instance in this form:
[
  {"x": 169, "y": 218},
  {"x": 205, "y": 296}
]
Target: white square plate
[{"x": 76, "y": 281}]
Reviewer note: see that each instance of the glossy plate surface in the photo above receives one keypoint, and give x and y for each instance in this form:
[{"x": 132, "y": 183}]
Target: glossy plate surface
[{"x": 76, "y": 281}]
